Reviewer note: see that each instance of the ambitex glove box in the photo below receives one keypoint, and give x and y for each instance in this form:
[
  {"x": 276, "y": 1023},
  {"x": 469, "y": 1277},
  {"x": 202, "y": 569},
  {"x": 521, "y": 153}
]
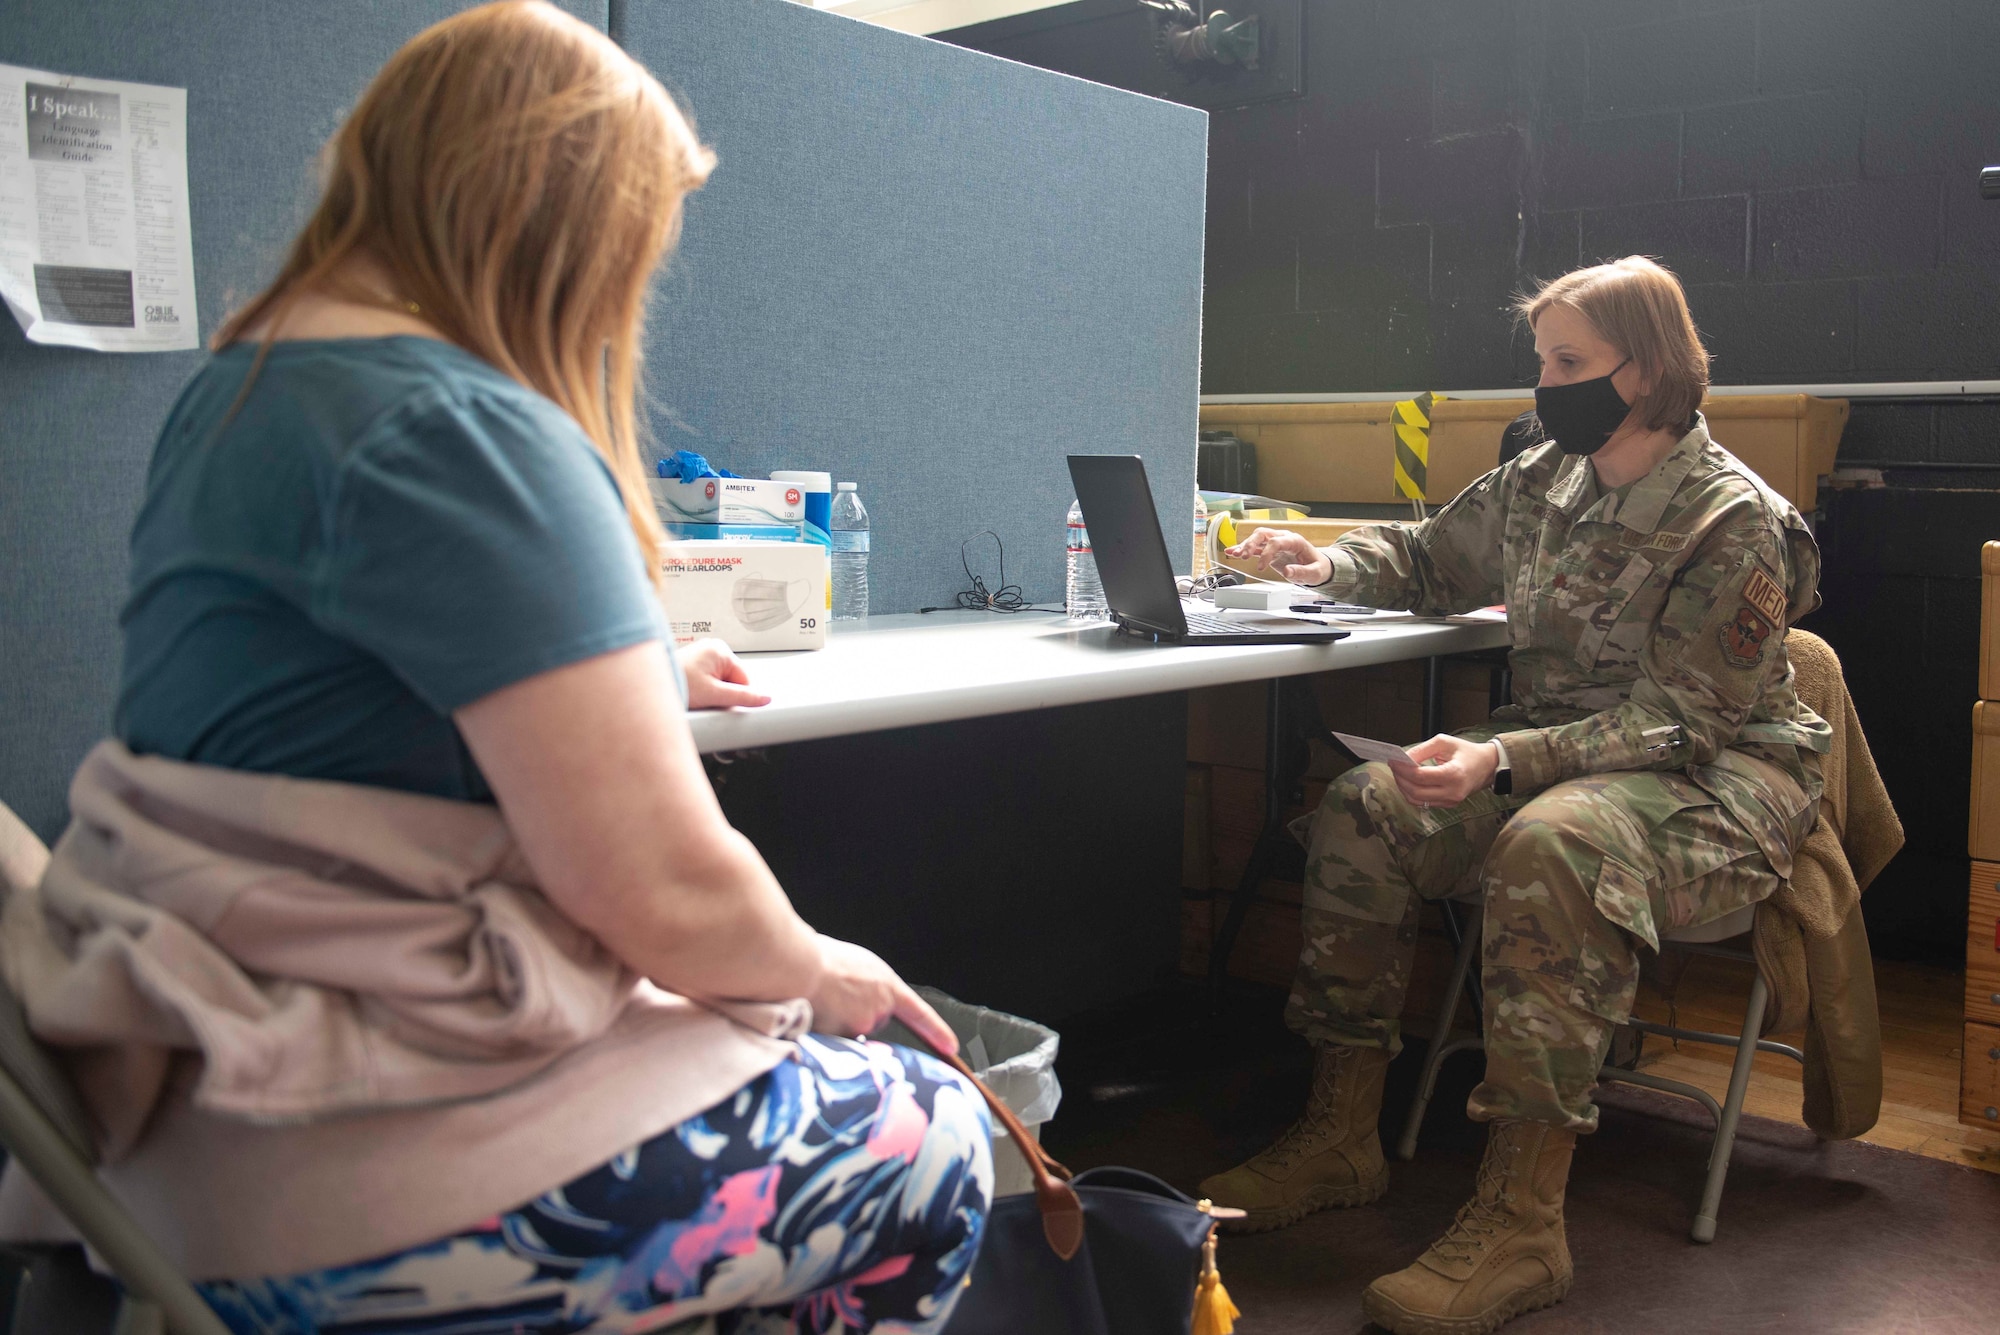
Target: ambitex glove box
[
  {"x": 727, "y": 500},
  {"x": 751, "y": 595}
]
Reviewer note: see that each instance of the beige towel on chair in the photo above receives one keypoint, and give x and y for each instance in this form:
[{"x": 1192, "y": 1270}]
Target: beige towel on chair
[
  {"x": 1810, "y": 941},
  {"x": 1858, "y": 829}
]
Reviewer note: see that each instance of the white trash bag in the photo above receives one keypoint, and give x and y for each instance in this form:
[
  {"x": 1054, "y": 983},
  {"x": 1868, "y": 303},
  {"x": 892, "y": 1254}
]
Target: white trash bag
[{"x": 1016, "y": 1058}]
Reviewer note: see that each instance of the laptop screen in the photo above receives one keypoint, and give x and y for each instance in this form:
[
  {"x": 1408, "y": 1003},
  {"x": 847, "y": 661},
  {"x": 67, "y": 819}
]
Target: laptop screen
[{"x": 1125, "y": 536}]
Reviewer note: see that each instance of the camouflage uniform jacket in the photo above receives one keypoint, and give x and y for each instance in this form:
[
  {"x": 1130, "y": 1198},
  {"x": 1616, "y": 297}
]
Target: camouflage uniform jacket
[{"x": 1648, "y": 622}]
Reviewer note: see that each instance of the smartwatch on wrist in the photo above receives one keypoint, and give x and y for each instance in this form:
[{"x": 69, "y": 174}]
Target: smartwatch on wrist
[{"x": 1503, "y": 776}]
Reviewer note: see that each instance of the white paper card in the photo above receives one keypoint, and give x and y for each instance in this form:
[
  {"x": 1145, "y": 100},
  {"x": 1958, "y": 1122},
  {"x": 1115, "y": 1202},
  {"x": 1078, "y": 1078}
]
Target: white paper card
[
  {"x": 95, "y": 247},
  {"x": 1366, "y": 748}
]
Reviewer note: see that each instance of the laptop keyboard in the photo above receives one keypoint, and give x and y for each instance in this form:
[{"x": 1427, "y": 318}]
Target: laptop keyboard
[{"x": 1207, "y": 623}]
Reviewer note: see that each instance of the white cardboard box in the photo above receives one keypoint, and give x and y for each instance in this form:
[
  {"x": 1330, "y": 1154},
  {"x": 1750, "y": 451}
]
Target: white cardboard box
[
  {"x": 753, "y": 595},
  {"x": 727, "y": 500}
]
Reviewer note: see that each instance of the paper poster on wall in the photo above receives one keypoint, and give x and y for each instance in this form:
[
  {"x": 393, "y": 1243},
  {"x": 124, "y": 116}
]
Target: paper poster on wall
[{"x": 95, "y": 250}]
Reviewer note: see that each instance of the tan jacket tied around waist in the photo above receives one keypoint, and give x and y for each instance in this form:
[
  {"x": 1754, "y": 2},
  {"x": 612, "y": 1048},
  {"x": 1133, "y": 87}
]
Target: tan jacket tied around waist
[{"x": 313, "y": 1022}]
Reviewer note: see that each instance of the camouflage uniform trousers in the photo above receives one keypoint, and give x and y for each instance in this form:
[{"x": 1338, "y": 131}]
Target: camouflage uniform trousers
[{"x": 1572, "y": 880}]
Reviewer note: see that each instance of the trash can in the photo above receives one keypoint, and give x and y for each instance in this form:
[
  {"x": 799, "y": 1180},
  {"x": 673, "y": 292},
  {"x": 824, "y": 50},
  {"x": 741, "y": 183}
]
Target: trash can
[{"x": 1017, "y": 1060}]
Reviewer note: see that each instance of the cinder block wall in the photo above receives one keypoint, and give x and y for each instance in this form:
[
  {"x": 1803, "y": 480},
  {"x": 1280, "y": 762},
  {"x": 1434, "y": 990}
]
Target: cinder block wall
[{"x": 1807, "y": 166}]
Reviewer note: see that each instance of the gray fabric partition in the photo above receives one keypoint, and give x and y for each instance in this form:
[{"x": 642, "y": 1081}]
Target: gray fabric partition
[
  {"x": 931, "y": 272},
  {"x": 266, "y": 84}
]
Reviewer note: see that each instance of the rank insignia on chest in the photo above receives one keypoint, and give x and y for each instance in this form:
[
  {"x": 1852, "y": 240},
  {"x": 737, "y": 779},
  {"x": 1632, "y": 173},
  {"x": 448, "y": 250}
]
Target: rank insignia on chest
[{"x": 1743, "y": 639}]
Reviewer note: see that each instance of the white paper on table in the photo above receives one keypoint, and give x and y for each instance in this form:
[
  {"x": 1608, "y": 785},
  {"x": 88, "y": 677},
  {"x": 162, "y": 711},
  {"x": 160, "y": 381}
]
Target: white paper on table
[
  {"x": 1484, "y": 616},
  {"x": 95, "y": 245},
  {"x": 1367, "y": 748}
]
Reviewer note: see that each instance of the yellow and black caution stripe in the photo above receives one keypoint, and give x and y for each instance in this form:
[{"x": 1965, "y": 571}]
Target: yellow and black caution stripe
[{"x": 1412, "y": 418}]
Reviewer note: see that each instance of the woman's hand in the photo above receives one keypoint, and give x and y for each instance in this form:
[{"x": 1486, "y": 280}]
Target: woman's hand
[
  {"x": 858, "y": 994},
  {"x": 716, "y": 678},
  {"x": 1293, "y": 557},
  {"x": 1449, "y": 770}
]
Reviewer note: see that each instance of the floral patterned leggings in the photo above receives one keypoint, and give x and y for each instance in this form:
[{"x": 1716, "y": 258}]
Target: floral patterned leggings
[{"x": 845, "y": 1190}]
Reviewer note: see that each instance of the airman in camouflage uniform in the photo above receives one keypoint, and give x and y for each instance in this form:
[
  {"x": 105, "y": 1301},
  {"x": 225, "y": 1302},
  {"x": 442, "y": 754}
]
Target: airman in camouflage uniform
[
  {"x": 1660, "y": 772},
  {"x": 1663, "y": 768}
]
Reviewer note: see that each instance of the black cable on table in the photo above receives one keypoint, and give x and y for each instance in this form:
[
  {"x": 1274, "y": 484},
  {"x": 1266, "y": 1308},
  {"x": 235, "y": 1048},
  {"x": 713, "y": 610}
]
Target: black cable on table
[{"x": 979, "y": 598}]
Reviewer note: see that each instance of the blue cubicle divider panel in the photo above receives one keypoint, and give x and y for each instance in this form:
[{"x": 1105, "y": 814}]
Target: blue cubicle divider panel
[
  {"x": 929, "y": 271},
  {"x": 267, "y": 83}
]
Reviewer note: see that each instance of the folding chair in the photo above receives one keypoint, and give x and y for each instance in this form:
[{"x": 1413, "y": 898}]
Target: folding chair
[
  {"x": 43, "y": 1126},
  {"x": 1698, "y": 940}
]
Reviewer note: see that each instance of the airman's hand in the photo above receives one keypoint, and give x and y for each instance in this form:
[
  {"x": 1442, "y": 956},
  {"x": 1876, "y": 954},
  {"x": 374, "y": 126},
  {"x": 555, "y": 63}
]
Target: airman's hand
[
  {"x": 1291, "y": 556},
  {"x": 1449, "y": 770}
]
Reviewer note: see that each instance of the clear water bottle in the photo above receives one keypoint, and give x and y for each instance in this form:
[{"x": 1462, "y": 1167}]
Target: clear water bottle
[
  {"x": 850, "y": 554},
  {"x": 1083, "y": 595},
  {"x": 1200, "y": 566}
]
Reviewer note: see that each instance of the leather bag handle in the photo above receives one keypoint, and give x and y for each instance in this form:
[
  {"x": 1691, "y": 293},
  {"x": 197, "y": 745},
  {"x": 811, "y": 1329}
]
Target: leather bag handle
[{"x": 1062, "y": 1212}]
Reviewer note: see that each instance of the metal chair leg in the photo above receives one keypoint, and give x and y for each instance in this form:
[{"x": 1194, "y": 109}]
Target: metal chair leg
[
  {"x": 1460, "y": 932},
  {"x": 75, "y": 1190},
  {"x": 1666, "y": 1086},
  {"x": 1441, "y": 1044},
  {"x": 1732, "y": 1111}
]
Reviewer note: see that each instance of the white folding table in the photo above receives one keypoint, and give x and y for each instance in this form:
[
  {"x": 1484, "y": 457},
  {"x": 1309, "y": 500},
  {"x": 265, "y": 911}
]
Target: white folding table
[{"x": 901, "y": 671}]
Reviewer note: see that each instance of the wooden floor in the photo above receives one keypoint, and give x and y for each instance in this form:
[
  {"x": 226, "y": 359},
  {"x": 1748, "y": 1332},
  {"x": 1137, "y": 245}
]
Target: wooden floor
[{"x": 1922, "y": 1027}]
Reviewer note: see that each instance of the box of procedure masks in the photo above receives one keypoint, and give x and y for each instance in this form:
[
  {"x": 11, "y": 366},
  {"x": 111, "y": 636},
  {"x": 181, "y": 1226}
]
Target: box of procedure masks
[
  {"x": 752, "y": 595},
  {"x": 727, "y": 500},
  {"x": 734, "y": 532}
]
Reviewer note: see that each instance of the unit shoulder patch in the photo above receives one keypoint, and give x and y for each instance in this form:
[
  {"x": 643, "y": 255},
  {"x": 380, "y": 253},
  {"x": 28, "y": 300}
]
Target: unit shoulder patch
[
  {"x": 1762, "y": 592},
  {"x": 1743, "y": 638}
]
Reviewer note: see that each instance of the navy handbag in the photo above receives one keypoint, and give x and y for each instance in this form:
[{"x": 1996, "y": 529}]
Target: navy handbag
[{"x": 1110, "y": 1251}]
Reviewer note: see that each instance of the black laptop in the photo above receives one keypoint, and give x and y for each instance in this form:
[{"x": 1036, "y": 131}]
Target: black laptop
[{"x": 1132, "y": 560}]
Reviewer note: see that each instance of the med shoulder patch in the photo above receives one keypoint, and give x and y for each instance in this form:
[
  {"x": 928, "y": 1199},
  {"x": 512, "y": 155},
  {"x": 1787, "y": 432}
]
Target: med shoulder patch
[{"x": 1763, "y": 593}]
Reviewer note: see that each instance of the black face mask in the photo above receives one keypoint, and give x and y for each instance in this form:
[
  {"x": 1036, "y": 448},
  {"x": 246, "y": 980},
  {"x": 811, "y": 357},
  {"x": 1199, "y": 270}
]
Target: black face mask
[{"x": 1580, "y": 417}]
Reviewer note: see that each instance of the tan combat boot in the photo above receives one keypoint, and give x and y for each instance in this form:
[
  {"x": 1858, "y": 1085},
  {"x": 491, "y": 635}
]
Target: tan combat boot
[
  {"x": 1332, "y": 1156},
  {"x": 1505, "y": 1254}
]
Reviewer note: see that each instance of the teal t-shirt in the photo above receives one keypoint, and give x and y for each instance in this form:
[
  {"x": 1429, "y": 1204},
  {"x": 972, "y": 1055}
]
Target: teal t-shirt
[{"x": 387, "y": 529}]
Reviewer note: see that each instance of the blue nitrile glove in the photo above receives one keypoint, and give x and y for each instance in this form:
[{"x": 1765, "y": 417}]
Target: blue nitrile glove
[{"x": 687, "y": 466}]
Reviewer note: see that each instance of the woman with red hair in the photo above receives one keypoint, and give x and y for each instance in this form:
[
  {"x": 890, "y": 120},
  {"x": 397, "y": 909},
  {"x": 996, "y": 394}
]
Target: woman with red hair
[{"x": 450, "y": 1000}]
